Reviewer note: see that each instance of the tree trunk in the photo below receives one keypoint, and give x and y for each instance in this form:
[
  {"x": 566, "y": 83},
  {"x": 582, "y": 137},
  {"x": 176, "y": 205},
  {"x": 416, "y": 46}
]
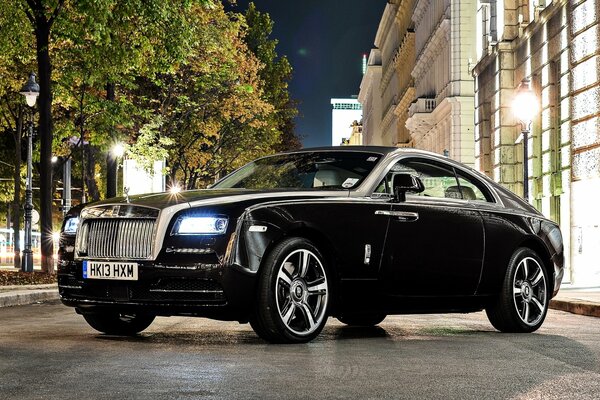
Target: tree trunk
[
  {"x": 45, "y": 131},
  {"x": 90, "y": 175},
  {"x": 111, "y": 160},
  {"x": 16, "y": 205}
]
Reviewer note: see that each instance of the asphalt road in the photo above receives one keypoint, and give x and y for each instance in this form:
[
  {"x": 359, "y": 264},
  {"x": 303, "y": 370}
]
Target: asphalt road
[{"x": 49, "y": 352}]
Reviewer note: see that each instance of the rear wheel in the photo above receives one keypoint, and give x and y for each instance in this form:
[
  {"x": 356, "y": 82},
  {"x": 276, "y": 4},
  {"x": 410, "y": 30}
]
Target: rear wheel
[
  {"x": 293, "y": 293},
  {"x": 523, "y": 301},
  {"x": 362, "y": 319},
  {"x": 115, "y": 323}
]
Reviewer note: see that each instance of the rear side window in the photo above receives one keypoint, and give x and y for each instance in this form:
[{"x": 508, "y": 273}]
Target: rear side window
[{"x": 472, "y": 189}]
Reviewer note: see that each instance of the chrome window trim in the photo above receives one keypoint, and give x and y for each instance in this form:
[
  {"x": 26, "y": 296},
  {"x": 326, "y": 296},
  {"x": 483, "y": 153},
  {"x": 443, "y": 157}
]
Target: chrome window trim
[{"x": 394, "y": 157}]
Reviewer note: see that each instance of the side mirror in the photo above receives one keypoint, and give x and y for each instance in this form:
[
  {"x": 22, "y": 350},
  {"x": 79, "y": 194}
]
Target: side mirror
[{"x": 404, "y": 183}]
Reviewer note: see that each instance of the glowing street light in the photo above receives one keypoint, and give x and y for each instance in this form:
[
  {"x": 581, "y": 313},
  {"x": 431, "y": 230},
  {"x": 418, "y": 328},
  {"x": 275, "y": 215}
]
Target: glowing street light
[
  {"x": 118, "y": 150},
  {"x": 525, "y": 108}
]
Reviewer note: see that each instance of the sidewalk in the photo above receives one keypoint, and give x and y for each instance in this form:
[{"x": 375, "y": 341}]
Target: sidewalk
[
  {"x": 578, "y": 301},
  {"x": 27, "y": 294},
  {"x": 574, "y": 300}
]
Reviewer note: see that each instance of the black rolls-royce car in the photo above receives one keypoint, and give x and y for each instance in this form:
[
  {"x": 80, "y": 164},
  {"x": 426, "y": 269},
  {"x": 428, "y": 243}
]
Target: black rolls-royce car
[{"x": 287, "y": 241}]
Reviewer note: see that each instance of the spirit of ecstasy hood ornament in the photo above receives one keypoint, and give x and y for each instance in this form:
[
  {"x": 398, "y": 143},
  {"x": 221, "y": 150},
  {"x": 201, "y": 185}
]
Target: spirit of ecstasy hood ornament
[{"x": 126, "y": 192}]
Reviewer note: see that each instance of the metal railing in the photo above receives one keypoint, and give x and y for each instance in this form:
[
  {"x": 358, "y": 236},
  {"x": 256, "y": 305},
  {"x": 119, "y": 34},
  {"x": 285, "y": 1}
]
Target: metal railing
[{"x": 422, "y": 105}]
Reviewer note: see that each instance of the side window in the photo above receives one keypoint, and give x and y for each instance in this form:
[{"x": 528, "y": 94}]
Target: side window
[
  {"x": 471, "y": 189},
  {"x": 439, "y": 180}
]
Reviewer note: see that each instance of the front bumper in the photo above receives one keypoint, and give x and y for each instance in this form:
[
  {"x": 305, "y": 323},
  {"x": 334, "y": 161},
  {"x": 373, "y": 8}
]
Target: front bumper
[{"x": 212, "y": 290}]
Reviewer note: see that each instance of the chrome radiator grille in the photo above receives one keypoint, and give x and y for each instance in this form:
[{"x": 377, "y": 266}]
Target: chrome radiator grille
[{"x": 116, "y": 238}]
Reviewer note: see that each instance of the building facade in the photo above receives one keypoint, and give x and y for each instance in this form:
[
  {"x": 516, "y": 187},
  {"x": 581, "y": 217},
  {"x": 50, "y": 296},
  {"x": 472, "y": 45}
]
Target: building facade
[
  {"x": 556, "y": 45},
  {"x": 344, "y": 113},
  {"x": 356, "y": 137},
  {"x": 370, "y": 98},
  {"x": 387, "y": 87},
  {"x": 440, "y": 119}
]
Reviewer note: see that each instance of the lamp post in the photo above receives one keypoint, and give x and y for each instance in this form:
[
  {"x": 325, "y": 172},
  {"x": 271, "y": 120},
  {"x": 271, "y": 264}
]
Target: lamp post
[
  {"x": 525, "y": 107},
  {"x": 116, "y": 153},
  {"x": 31, "y": 91}
]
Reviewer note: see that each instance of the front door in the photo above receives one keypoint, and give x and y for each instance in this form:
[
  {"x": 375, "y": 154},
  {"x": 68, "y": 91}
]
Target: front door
[{"x": 435, "y": 241}]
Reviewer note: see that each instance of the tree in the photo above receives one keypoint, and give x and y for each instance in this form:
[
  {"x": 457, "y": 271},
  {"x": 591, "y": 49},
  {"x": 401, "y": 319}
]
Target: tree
[
  {"x": 211, "y": 107},
  {"x": 42, "y": 14},
  {"x": 15, "y": 64},
  {"x": 276, "y": 73},
  {"x": 158, "y": 25}
]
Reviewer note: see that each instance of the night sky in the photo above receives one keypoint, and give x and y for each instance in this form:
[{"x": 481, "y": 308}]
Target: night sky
[{"x": 324, "y": 40}]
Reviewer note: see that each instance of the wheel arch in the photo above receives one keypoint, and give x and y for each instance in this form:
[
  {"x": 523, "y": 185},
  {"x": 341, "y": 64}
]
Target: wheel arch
[
  {"x": 325, "y": 246},
  {"x": 536, "y": 244}
]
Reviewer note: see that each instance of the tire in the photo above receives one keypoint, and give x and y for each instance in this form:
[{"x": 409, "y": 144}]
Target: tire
[
  {"x": 293, "y": 293},
  {"x": 114, "y": 323},
  {"x": 362, "y": 319},
  {"x": 522, "y": 304}
]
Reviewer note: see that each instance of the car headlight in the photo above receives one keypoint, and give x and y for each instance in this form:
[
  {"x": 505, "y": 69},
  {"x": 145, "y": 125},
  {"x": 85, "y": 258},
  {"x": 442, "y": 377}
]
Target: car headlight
[
  {"x": 201, "y": 226},
  {"x": 71, "y": 225}
]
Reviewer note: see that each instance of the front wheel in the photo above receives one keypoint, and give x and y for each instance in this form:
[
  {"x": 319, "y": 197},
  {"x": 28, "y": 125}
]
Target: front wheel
[
  {"x": 115, "y": 323},
  {"x": 523, "y": 301},
  {"x": 293, "y": 293}
]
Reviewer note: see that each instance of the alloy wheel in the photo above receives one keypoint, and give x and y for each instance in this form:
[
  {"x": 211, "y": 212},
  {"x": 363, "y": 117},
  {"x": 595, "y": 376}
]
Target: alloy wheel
[
  {"x": 302, "y": 292},
  {"x": 529, "y": 291}
]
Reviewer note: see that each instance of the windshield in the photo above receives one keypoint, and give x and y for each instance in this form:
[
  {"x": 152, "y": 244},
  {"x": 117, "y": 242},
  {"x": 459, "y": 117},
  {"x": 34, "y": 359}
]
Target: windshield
[{"x": 311, "y": 170}]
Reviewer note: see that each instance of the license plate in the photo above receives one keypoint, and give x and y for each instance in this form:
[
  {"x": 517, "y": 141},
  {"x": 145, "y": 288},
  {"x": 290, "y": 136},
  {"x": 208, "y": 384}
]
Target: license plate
[{"x": 110, "y": 270}]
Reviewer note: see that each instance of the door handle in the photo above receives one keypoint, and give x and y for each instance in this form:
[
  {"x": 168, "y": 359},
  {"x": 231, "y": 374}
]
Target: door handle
[{"x": 402, "y": 216}]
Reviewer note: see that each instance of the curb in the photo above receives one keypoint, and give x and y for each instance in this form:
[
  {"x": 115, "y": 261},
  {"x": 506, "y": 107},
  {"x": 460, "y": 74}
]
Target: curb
[
  {"x": 24, "y": 297},
  {"x": 579, "y": 307},
  {"x": 12, "y": 288}
]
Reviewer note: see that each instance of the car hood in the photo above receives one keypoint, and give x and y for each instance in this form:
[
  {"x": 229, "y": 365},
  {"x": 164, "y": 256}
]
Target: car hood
[{"x": 193, "y": 198}]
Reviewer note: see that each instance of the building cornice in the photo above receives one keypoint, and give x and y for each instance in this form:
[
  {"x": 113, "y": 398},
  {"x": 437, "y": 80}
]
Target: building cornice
[
  {"x": 420, "y": 9},
  {"x": 388, "y": 115},
  {"x": 385, "y": 24},
  {"x": 367, "y": 83},
  {"x": 401, "y": 54},
  {"x": 434, "y": 46},
  {"x": 406, "y": 99}
]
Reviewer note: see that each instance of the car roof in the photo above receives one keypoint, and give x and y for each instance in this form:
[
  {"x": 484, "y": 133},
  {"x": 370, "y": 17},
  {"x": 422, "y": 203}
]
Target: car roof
[{"x": 383, "y": 150}]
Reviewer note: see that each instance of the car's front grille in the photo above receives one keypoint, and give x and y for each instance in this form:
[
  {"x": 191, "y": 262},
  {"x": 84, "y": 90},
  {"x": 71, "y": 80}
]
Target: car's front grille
[{"x": 116, "y": 238}]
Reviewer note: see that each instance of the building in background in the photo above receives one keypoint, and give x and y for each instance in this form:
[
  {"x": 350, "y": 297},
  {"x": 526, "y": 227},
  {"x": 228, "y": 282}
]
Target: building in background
[
  {"x": 387, "y": 88},
  {"x": 441, "y": 117},
  {"x": 345, "y": 112},
  {"x": 356, "y": 137},
  {"x": 554, "y": 44},
  {"x": 136, "y": 180},
  {"x": 370, "y": 98}
]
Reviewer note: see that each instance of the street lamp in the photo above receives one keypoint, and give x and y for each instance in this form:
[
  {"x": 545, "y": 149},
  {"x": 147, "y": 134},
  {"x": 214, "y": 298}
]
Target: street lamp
[
  {"x": 112, "y": 168},
  {"x": 31, "y": 91},
  {"x": 525, "y": 107}
]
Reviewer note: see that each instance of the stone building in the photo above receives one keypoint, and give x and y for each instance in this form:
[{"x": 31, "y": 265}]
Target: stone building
[
  {"x": 418, "y": 90},
  {"x": 356, "y": 137},
  {"x": 370, "y": 98},
  {"x": 387, "y": 88},
  {"x": 440, "y": 118},
  {"x": 556, "y": 45}
]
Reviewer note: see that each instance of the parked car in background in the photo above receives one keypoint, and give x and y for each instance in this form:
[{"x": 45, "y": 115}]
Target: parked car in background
[{"x": 356, "y": 233}]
